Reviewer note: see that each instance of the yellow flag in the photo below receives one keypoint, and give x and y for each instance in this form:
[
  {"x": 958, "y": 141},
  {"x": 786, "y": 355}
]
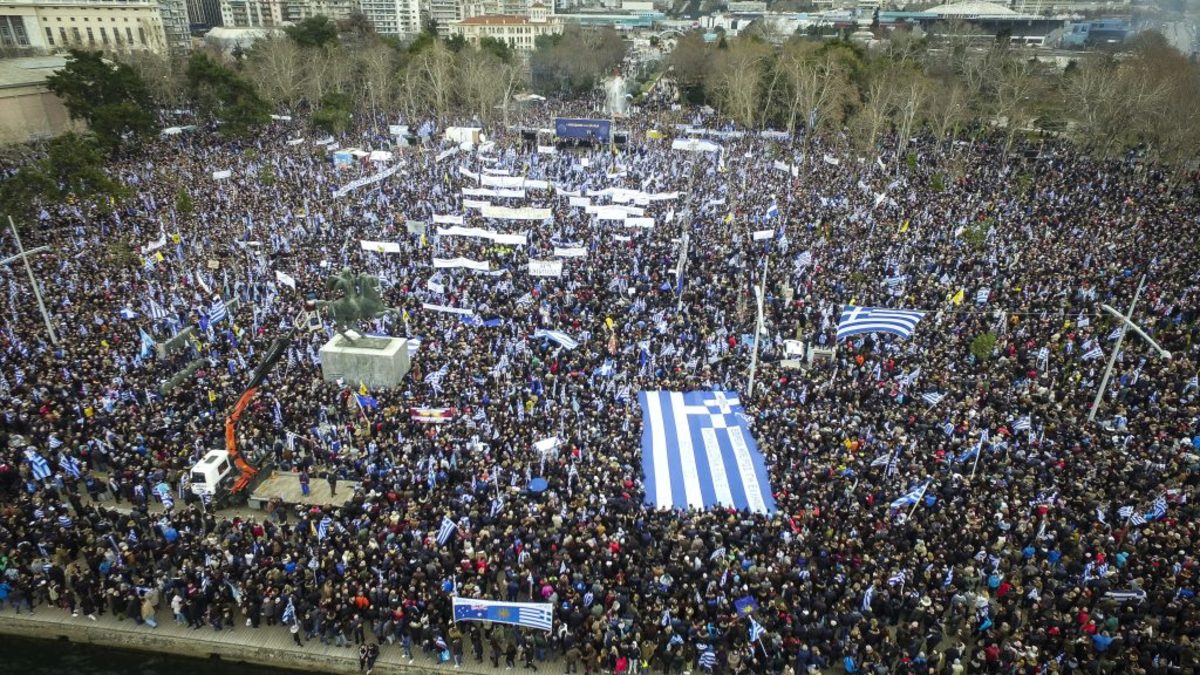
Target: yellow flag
[
  {"x": 104, "y": 343},
  {"x": 404, "y": 315},
  {"x": 904, "y": 226},
  {"x": 422, "y": 240},
  {"x": 159, "y": 256},
  {"x": 608, "y": 321},
  {"x": 728, "y": 218},
  {"x": 175, "y": 238},
  {"x": 212, "y": 396},
  {"x": 362, "y": 388},
  {"x": 958, "y": 297}
]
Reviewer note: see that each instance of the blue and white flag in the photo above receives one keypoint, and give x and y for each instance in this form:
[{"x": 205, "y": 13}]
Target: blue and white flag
[
  {"x": 856, "y": 320},
  {"x": 898, "y": 578},
  {"x": 932, "y": 397},
  {"x": 867, "y": 597},
  {"x": 323, "y": 528},
  {"x": 1158, "y": 509},
  {"x": 556, "y": 336},
  {"x": 476, "y": 321},
  {"x": 289, "y": 612},
  {"x": 217, "y": 313},
  {"x": 1093, "y": 353},
  {"x": 529, "y": 614},
  {"x": 1022, "y": 424},
  {"x": 773, "y": 210},
  {"x": 981, "y": 297},
  {"x": 756, "y": 630},
  {"x": 434, "y": 379},
  {"x": 446, "y": 530},
  {"x": 912, "y": 496},
  {"x": 70, "y": 465},
  {"x": 697, "y": 452},
  {"x": 148, "y": 345},
  {"x": 708, "y": 659},
  {"x": 1125, "y": 511},
  {"x": 155, "y": 311},
  {"x": 39, "y": 465}
]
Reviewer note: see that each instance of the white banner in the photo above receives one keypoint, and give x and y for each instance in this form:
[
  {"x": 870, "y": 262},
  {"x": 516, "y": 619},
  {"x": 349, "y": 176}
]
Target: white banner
[
  {"x": 451, "y": 263},
  {"x": 502, "y": 181},
  {"x": 505, "y": 239},
  {"x": 285, "y": 279},
  {"x": 468, "y": 173},
  {"x": 694, "y": 145},
  {"x": 580, "y": 201},
  {"x": 607, "y": 212},
  {"x": 570, "y": 251},
  {"x": 545, "y": 268},
  {"x": 521, "y": 213},
  {"x": 380, "y": 246},
  {"x": 475, "y": 203},
  {"x": 639, "y": 222},
  {"x": 415, "y": 226},
  {"x": 443, "y": 308},
  {"x": 366, "y": 180},
  {"x": 444, "y": 154},
  {"x": 295, "y": 141},
  {"x": 435, "y": 286},
  {"x": 547, "y": 150},
  {"x": 762, "y": 235},
  {"x": 447, "y": 220},
  {"x": 221, "y": 175},
  {"x": 616, "y": 208},
  {"x": 488, "y": 192}
]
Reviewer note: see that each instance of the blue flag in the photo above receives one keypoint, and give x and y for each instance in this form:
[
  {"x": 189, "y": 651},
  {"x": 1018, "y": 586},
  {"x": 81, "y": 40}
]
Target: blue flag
[{"x": 745, "y": 605}]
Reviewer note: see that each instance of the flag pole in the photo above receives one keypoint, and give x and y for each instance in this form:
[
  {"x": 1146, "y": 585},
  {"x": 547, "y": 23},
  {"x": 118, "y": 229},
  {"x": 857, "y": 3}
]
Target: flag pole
[
  {"x": 978, "y": 452},
  {"x": 919, "y": 498}
]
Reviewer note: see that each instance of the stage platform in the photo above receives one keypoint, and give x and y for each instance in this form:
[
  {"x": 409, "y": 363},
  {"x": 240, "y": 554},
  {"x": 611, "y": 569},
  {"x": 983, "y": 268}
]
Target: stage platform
[{"x": 286, "y": 486}]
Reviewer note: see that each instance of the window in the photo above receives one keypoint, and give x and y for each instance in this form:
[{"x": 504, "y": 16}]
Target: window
[
  {"x": 75, "y": 36},
  {"x": 50, "y": 37},
  {"x": 142, "y": 34},
  {"x": 62, "y": 33},
  {"x": 129, "y": 35},
  {"x": 104, "y": 37}
]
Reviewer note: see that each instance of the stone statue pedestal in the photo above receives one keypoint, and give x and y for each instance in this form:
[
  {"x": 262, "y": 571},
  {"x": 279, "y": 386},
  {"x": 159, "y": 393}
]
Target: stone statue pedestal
[{"x": 378, "y": 362}]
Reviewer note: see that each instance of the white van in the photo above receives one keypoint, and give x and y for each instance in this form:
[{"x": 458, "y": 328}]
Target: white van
[{"x": 211, "y": 472}]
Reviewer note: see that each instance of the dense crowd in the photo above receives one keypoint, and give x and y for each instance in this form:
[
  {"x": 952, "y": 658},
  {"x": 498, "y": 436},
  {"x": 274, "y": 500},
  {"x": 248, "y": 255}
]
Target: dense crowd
[{"x": 1018, "y": 557}]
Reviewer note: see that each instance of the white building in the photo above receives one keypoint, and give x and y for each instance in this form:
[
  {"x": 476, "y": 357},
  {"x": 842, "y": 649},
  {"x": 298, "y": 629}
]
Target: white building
[
  {"x": 518, "y": 31},
  {"x": 119, "y": 26},
  {"x": 337, "y": 10},
  {"x": 444, "y": 12},
  {"x": 252, "y": 13},
  {"x": 175, "y": 25},
  {"x": 393, "y": 17}
]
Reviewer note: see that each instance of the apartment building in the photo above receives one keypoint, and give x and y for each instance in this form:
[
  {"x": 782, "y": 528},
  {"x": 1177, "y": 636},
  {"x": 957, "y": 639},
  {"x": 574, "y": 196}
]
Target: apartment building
[{"x": 109, "y": 25}]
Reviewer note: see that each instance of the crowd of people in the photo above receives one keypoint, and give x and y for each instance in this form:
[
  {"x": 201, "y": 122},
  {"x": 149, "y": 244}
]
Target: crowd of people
[{"x": 1042, "y": 542}]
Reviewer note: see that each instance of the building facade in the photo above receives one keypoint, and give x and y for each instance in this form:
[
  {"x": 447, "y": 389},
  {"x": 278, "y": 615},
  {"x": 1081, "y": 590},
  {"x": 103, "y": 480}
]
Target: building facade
[
  {"x": 337, "y": 10},
  {"x": 518, "y": 31},
  {"x": 252, "y": 13},
  {"x": 393, "y": 17},
  {"x": 444, "y": 12},
  {"x": 118, "y": 26},
  {"x": 28, "y": 110},
  {"x": 204, "y": 12},
  {"x": 176, "y": 27}
]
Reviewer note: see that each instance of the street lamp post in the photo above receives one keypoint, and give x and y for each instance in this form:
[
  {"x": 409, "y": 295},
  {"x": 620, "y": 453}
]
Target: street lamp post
[
  {"x": 1124, "y": 319},
  {"x": 23, "y": 256},
  {"x": 758, "y": 325}
]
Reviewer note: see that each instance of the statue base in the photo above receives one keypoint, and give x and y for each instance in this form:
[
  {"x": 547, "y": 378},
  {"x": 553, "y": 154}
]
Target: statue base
[{"x": 378, "y": 362}]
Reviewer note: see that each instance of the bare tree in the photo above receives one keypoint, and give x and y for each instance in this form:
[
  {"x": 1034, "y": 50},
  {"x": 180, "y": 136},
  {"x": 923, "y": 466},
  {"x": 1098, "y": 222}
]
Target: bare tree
[
  {"x": 434, "y": 68},
  {"x": 1016, "y": 91},
  {"x": 817, "y": 84},
  {"x": 739, "y": 79},
  {"x": 276, "y": 68}
]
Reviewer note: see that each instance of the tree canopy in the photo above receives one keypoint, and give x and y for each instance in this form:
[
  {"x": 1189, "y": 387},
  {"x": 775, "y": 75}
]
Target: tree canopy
[
  {"x": 111, "y": 97},
  {"x": 315, "y": 31},
  {"x": 221, "y": 93}
]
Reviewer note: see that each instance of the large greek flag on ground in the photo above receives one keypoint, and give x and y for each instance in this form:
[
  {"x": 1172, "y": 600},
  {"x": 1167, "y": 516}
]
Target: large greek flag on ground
[
  {"x": 530, "y": 614},
  {"x": 857, "y": 320},
  {"x": 697, "y": 451}
]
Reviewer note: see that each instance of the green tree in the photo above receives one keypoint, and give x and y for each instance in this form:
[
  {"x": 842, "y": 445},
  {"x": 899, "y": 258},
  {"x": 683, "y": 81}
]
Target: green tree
[
  {"x": 72, "y": 170},
  {"x": 334, "y": 115},
  {"x": 501, "y": 49},
  {"x": 221, "y": 93},
  {"x": 982, "y": 346},
  {"x": 183, "y": 202},
  {"x": 111, "y": 97},
  {"x": 315, "y": 31}
]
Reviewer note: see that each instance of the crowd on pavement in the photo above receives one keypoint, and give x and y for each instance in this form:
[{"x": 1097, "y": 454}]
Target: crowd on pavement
[{"x": 1042, "y": 542}]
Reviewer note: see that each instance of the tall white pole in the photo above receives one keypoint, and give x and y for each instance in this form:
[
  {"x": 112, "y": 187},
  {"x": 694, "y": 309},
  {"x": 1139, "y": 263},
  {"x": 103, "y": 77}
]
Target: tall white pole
[
  {"x": 758, "y": 324},
  {"x": 37, "y": 290},
  {"x": 1112, "y": 359}
]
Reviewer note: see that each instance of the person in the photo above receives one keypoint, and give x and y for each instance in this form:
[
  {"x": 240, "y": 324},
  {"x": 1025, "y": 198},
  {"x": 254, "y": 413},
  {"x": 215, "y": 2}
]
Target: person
[
  {"x": 304, "y": 482},
  {"x": 372, "y": 656},
  {"x": 295, "y": 631},
  {"x": 332, "y": 477}
]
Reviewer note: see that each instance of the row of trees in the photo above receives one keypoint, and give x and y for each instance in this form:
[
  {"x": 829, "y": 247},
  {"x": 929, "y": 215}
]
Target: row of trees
[{"x": 1145, "y": 98}]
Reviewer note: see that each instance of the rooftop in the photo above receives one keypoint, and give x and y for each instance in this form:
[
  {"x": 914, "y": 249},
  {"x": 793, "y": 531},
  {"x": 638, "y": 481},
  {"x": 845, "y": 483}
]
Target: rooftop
[
  {"x": 495, "y": 20},
  {"x": 24, "y": 71},
  {"x": 971, "y": 8}
]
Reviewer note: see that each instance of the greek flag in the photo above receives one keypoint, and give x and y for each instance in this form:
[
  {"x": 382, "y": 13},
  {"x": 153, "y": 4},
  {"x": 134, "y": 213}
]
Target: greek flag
[
  {"x": 156, "y": 311},
  {"x": 1093, "y": 353},
  {"x": 41, "y": 468},
  {"x": 556, "y": 336},
  {"x": 497, "y": 505},
  {"x": 529, "y": 614},
  {"x": 434, "y": 379},
  {"x": 981, "y": 297},
  {"x": 867, "y": 597},
  {"x": 289, "y": 612},
  {"x": 912, "y": 496},
  {"x": 1116, "y": 334},
  {"x": 217, "y": 313},
  {"x": 708, "y": 659},
  {"x": 1158, "y": 509},
  {"x": 1125, "y": 511},
  {"x": 804, "y": 259},
  {"x": 856, "y": 320},
  {"x": 446, "y": 530},
  {"x": 697, "y": 452},
  {"x": 756, "y": 630},
  {"x": 1137, "y": 519},
  {"x": 1100, "y": 516},
  {"x": 1022, "y": 424},
  {"x": 932, "y": 397},
  {"x": 881, "y": 460},
  {"x": 897, "y": 578},
  {"x": 70, "y": 465},
  {"x": 323, "y": 528}
]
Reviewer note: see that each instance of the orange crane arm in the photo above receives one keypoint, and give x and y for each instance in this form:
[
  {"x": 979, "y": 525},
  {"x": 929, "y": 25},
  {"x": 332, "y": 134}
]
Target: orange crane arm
[{"x": 260, "y": 373}]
